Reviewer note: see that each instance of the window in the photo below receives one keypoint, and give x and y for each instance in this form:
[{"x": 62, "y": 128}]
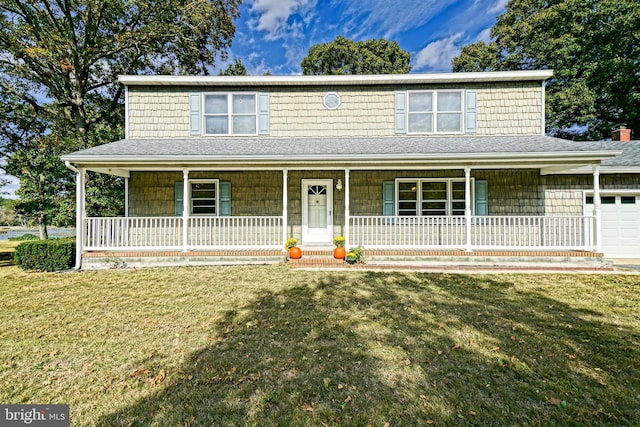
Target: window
[
  {"x": 204, "y": 196},
  {"x": 230, "y": 114},
  {"x": 431, "y": 197},
  {"x": 628, "y": 200},
  {"x": 434, "y": 112}
]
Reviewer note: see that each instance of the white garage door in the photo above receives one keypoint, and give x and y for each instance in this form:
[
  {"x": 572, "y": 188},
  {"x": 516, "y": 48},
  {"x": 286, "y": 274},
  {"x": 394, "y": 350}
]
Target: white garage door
[{"x": 620, "y": 224}]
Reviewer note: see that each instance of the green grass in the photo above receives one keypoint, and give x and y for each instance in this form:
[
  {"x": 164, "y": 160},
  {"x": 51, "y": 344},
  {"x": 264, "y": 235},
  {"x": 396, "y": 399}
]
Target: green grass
[{"x": 273, "y": 346}]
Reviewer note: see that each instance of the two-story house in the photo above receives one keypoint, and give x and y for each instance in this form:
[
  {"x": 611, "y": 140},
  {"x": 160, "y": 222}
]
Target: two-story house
[{"x": 227, "y": 168}]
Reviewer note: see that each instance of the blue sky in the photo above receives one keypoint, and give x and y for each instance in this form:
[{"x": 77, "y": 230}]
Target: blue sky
[{"x": 275, "y": 35}]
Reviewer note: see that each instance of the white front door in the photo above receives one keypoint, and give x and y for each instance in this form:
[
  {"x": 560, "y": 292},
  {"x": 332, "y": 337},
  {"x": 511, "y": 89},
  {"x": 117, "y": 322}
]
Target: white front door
[{"x": 317, "y": 211}]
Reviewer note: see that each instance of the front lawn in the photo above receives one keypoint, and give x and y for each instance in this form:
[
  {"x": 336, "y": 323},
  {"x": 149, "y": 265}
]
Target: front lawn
[{"x": 274, "y": 346}]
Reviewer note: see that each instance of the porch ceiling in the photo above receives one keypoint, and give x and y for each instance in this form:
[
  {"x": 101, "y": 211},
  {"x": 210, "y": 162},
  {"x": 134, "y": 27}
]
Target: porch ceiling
[{"x": 489, "y": 152}]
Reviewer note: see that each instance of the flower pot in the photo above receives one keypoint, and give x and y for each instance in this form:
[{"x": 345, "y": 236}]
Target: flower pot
[
  {"x": 339, "y": 252},
  {"x": 295, "y": 253}
]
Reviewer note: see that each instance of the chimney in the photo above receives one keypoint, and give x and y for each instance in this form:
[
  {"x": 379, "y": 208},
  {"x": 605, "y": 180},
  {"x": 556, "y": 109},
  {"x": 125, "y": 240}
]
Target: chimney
[{"x": 623, "y": 134}]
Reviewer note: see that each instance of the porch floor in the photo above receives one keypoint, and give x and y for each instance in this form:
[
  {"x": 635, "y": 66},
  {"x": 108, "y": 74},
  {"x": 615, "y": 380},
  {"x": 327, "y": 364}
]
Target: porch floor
[{"x": 377, "y": 259}]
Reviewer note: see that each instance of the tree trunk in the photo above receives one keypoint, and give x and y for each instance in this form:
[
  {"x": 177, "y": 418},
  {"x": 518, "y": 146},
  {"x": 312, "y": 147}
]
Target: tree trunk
[{"x": 44, "y": 234}]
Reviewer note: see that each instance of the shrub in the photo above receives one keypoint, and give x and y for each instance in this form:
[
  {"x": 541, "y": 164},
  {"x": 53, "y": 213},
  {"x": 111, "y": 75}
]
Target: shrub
[
  {"x": 24, "y": 237},
  {"x": 46, "y": 255}
]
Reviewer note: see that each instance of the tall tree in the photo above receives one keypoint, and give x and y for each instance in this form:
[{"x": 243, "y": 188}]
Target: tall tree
[
  {"x": 344, "y": 56},
  {"x": 237, "y": 68},
  {"x": 44, "y": 182},
  {"x": 69, "y": 53},
  {"x": 59, "y": 62},
  {"x": 593, "y": 46}
]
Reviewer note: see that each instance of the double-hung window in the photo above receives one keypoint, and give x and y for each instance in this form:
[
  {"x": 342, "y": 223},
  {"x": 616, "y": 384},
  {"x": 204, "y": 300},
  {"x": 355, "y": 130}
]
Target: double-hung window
[
  {"x": 431, "y": 197},
  {"x": 435, "y": 111},
  {"x": 204, "y": 196},
  {"x": 230, "y": 114}
]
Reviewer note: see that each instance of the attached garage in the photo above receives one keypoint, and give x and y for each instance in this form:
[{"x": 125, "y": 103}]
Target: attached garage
[{"x": 620, "y": 219}]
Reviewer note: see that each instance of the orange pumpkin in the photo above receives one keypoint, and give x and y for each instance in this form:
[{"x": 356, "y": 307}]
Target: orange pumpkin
[
  {"x": 340, "y": 252},
  {"x": 295, "y": 253}
]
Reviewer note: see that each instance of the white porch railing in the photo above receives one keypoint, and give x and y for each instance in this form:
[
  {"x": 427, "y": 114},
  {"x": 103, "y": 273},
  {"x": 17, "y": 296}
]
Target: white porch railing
[
  {"x": 133, "y": 232},
  {"x": 486, "y": 232},
  {"x": 235, "y": 232},
  {"x": 407, "y": 232},
  {"x": 167, "y": 233},
  {"x": 372, "y": 232}
]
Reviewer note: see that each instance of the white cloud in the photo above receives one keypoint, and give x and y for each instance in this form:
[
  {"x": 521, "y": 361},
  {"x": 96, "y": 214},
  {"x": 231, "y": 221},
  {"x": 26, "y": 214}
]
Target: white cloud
[
  {"x": 437, "y": 55},
  {"x": 498, "y": 6},
  {"x": 386, "y": 17},
  {"x": 484, "y": 35},
  {"x": 273, "y": 15}
]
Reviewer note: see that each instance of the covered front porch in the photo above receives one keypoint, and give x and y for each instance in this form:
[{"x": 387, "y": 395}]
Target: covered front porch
[
  {"x": 248, "y": 206},
  {"x": 467, "y": 231}
]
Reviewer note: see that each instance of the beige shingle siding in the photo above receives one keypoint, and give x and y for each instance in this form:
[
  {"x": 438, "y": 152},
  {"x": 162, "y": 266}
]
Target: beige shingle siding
[
  {"x": 361, "y": 113},
  {"x": 158, "y": 112},
  {"x": 514, "y": 109},
  {"x": 505, "y": 109}
]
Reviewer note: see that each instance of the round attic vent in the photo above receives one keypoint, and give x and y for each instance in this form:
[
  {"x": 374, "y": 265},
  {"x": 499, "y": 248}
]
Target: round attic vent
[{"x": 331, "y": 101}]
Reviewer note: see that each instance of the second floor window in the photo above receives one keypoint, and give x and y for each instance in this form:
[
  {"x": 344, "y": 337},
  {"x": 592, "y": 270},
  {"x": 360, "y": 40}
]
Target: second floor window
[
  {"x": 230, "y": 114},
  {"x": 434, "y": 112}
]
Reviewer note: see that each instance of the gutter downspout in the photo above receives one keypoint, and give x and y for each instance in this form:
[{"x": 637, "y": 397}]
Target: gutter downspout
[{"x": 79, "y": 209}]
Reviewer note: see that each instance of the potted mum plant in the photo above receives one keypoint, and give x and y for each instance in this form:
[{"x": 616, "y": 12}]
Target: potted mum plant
[
  {"x": 339, "y": 252},
  {"x": 355, "y": 256},
  {"x": 294, "y": 251}
]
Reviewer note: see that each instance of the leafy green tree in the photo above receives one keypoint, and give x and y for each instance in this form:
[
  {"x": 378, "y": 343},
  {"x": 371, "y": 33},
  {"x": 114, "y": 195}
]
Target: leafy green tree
[
  {"x": 68, "y": 53},
  {"x": 59, "y": 64},
  {"x": 235, "y": 69},
  {"x": 594, "y": 49},
  {"x": 344, "y": 56},
  {"x": 44, "y": 181}
]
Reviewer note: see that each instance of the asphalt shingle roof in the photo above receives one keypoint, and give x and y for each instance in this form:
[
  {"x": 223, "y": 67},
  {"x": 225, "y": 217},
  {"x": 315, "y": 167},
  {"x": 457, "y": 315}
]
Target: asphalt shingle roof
[
  {"x": 630, "y": 155},
  {"x": 401, "y": 146}
]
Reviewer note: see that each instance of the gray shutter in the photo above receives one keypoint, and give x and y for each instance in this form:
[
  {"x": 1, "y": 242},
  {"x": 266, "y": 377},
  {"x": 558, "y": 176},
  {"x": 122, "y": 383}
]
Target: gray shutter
[
  {"x": 471, "y": 111},
  {"x": 263, "y": 114},
  {"x": 179, "y": 197},
  {"x": 482, "y": 201},
  {"x": 401, "y": 112},
  {"x": 195, "y": 116},
  {"x": 225, "y": 198},
  {"x": 388, "y": 198}
]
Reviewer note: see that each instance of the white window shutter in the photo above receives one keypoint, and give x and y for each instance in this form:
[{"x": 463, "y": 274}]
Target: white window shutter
[
  {"x": 401, "y": 112},
  {"x": 263, "y": 114},
  {"x": 195, "y": 116},
  {"x": 471, "y": 111}
]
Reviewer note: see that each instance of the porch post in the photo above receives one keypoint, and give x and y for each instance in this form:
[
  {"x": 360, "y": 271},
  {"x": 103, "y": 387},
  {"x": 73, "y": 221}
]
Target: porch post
[
  {"x": 285, "y": 209},
  {"x": 80, "y": 215},
  {"x": 186, "y": 203},
  {"x": 346, "y": 208},
  {"x": 126, "y": 197},
  {"x": 596, "y": 208},
  {"x": 467, "y": 207}
]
